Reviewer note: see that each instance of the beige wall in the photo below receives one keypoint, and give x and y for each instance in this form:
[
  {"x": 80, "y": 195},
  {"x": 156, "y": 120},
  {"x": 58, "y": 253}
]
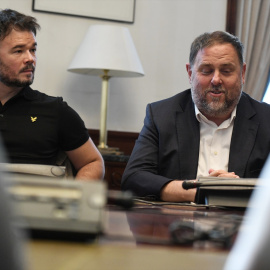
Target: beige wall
[{"x": 162, "y": 33}]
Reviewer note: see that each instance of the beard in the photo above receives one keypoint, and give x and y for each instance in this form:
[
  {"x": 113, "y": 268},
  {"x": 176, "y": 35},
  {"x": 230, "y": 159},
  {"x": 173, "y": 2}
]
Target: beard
[
  {"x": 9, "y": 81},
  {"x": 217, "y": 107}
]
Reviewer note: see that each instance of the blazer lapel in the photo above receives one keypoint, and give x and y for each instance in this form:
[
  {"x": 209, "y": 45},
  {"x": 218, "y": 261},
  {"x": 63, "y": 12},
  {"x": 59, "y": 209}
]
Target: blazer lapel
[
  {"x": 188, "y": 139},
  {"x": 243, "y": 137}
]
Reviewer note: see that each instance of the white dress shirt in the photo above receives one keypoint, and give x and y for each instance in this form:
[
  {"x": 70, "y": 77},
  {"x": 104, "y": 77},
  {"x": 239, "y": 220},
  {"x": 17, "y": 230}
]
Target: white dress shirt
[{"x": 215, "y": 143}]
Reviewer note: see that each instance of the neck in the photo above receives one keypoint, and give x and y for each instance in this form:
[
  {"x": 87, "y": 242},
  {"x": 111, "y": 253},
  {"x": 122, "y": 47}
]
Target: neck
[
  {"x": 7, "y": 93},
  {"x": 219, "y": 119}
]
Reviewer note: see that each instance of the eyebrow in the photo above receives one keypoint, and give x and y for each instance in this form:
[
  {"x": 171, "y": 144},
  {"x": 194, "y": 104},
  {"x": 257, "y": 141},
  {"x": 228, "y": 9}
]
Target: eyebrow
[
  {"x": 228, "y": 64},
  {"x": 21, "y": 46},
  {"x": 222, "y": 65}
]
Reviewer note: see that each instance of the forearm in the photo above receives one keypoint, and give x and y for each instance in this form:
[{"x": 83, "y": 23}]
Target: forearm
[
  {"x": 174, "y": 192},
  {"x": 87, "y": 161},
  {"x": 92, "y": 171}
]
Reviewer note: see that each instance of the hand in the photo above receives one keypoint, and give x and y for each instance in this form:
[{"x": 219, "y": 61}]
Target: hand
[{"x": 222, "y": 173}]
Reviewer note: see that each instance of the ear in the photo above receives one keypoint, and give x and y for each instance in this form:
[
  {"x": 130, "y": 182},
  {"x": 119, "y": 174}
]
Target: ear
[
  {"x": 189, "y": 71},
  {"x": 244, "y": 72}
]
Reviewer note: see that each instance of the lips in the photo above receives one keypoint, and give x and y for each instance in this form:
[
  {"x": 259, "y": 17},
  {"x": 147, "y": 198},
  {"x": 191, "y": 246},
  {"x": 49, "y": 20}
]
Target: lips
[
  {"x": 28, "y": 70},
  {"x": 215, "y": 93}
]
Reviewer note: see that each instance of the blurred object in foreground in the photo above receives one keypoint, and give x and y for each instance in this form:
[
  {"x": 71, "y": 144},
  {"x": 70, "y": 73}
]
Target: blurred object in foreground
[{"x": 251, "y": 250}]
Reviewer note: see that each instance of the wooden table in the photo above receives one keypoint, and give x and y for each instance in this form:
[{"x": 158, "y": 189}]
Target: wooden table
[
  {"x": 135, "y": 239},
  {"x": 50, "y": 255}
]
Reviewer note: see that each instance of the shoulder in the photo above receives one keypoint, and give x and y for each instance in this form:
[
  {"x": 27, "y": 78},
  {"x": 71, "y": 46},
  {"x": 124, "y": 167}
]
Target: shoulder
[
  {"x": 247, "y": 103},
  {"x": 178, "y": 101},
  {"x": 48, "y": 104},
  {"x": 35, "y": 95}
]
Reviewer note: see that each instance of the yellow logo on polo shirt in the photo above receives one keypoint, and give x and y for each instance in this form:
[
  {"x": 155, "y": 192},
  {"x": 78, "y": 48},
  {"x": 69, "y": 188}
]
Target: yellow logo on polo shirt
[{"x": 33, "y": 119}]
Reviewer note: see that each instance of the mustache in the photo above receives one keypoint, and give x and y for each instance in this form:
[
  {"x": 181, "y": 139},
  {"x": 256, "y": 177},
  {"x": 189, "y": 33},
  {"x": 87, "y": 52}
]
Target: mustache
[
  {"x": 30, "y": 66},
  {"x": 216, "y": 89}
]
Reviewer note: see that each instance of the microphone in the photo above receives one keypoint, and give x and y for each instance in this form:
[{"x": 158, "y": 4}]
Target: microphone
[
  {"x": 121, "y": 198},
  {"x": 188, "y": 184}
]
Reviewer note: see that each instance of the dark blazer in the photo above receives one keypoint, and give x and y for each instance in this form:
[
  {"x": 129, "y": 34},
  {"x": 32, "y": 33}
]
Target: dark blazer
[{"x": 168, "y": 144}]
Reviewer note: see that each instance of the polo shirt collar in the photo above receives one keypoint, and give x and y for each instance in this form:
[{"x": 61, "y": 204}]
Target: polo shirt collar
[{"x": 28, "y": 93}]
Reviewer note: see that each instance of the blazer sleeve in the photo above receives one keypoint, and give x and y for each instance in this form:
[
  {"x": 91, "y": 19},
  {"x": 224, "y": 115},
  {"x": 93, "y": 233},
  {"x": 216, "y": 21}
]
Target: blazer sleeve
[{"x": 141, "y": 174}]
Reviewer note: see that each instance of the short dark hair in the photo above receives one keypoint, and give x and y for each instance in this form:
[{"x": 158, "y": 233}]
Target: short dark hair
[
  {"x": 209, "y": 39},
  {"x": 11, "y": 19}
]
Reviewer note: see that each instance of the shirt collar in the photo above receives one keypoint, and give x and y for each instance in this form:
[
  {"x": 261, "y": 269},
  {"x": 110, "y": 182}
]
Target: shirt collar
[{"x": 27, "y": 93}]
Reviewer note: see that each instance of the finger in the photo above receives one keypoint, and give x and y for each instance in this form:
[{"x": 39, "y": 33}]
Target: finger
[
  {"x": 217, "y": 172},
  {"x": 229, "y": 175}
]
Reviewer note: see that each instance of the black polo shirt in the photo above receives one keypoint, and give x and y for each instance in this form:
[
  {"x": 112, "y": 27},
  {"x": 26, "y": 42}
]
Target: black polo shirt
[{"x": 35, "y": 126}]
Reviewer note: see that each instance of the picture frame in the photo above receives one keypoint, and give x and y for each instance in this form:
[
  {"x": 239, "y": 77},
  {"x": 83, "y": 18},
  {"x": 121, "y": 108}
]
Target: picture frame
[{"x": 111, "y": 10}]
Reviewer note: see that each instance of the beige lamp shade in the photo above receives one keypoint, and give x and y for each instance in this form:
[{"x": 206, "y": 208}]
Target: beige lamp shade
[{"x": 107, "y": 47}]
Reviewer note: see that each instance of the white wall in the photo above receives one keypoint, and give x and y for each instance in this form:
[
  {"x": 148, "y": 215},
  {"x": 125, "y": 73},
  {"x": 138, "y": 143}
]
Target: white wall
[{"x": 162, "y": 32}]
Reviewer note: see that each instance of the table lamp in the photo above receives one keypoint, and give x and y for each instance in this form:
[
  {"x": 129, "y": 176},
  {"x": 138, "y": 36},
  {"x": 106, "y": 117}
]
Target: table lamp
[{"x": 106, "y": 51}]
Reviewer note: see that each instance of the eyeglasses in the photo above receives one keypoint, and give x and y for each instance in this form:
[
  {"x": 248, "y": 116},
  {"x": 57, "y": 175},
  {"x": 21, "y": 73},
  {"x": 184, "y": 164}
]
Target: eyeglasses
[{"x": 186, "y": 233}]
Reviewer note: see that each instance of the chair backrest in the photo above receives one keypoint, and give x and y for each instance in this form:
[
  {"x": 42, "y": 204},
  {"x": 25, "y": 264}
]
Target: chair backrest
[
  {"x": 63, "y": 161},
  {"x": 34, "y": 169}
]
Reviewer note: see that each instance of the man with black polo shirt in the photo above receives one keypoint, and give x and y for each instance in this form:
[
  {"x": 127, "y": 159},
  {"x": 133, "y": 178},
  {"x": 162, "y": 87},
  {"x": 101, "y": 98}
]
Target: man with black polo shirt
[{"x": 35, "y": 127}]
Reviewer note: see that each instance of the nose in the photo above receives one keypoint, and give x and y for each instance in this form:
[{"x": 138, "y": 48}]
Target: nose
[
  {"x": 29, "y": 57},
  {"x": 216, "y": 80}
]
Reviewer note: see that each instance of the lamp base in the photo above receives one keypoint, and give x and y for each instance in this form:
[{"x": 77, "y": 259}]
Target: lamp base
[{"x": 110, "y": 151}]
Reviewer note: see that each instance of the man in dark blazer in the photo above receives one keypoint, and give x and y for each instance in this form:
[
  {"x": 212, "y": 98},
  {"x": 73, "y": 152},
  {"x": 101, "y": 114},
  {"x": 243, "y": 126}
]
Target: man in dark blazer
[{"x": 175, "y": 143}]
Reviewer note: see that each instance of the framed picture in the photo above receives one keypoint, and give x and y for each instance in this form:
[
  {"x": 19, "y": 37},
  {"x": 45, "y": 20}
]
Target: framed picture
[{"x": 112, "y": 10}]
